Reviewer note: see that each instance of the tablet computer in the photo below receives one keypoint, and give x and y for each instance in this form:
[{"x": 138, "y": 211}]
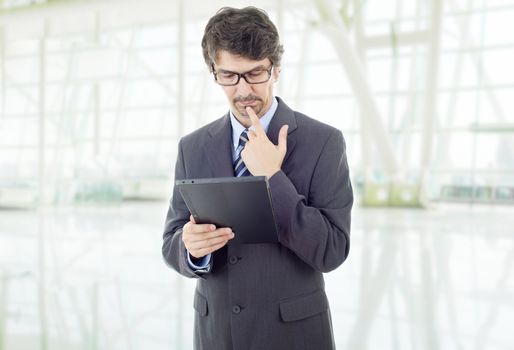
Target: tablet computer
[{"x": 241, "y": 203}]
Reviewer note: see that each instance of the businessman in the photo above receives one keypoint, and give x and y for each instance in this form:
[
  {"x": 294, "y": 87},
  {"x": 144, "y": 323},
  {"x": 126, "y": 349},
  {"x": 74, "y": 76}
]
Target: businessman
[{"x": 261, "y": 296}]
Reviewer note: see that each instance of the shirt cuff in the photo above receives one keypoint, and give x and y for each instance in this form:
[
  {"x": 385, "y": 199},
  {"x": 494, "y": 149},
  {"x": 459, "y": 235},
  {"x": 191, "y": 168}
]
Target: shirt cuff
[{"x": 201, "y": 264}]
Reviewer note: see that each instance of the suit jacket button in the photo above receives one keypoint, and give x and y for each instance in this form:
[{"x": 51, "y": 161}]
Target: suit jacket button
[
  {"x": 236, "y": 309},
  {"x": 233, "y": 260}
]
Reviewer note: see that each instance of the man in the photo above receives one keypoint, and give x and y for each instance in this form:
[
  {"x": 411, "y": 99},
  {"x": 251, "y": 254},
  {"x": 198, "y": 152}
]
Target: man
[{"x": 261, "y": 296}]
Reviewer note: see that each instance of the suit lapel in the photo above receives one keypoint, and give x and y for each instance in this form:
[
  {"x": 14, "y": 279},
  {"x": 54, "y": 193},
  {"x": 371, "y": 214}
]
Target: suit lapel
[{"x": 219, "y": 148}]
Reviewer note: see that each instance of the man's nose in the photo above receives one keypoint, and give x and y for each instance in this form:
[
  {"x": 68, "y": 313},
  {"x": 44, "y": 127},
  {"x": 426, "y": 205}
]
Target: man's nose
[{"x": 243, "y": 88}]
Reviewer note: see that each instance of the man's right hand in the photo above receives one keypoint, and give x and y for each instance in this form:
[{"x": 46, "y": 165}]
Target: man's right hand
[{"x": 203, "y": 239}]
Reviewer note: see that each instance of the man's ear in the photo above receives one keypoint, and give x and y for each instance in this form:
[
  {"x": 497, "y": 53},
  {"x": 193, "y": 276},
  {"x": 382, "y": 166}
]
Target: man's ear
[{"x": 276, "y": 73}]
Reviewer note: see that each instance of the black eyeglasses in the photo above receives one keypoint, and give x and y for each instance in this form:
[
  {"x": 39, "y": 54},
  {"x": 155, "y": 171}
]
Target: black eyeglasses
[{"x": 255, "y": 76}]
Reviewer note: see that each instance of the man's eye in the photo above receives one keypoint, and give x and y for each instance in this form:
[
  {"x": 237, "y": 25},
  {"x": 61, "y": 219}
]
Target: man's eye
[
  {"x": 226, "y": 75},
  {"x": 255, "y": 73}
]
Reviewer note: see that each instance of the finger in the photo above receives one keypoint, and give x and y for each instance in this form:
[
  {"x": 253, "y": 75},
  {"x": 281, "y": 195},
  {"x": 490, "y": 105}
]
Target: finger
[
  {"x": 199, "y": 228},
  {"x": 251, "y": 134},
  {"x": 209, "y": 242},
  {"x": 192, "y": 219},
  {"x": 282, "y": 139},
  {"x": 199, "y": 237},
  {"x": 256, "y": 123},
  {"x": 205, "y": 251}
]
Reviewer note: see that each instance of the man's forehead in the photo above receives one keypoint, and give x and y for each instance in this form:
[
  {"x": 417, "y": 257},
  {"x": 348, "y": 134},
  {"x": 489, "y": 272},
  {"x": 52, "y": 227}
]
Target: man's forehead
[{"x": 228, "y": 61}]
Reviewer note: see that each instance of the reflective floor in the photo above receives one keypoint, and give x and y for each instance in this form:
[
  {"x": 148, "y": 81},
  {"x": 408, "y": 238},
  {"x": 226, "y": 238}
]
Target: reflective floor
[{"x": 93, "y": 278}]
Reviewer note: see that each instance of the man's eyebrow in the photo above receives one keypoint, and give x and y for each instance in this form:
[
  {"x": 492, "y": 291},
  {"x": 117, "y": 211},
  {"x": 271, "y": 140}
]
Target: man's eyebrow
[
  {"x": 261, "y": 66},
  {"x": 221, "y": 70}
]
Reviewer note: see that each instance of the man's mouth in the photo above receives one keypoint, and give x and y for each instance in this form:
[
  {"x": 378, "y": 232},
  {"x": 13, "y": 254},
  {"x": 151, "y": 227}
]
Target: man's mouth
[{"x": 248, "y": 103}]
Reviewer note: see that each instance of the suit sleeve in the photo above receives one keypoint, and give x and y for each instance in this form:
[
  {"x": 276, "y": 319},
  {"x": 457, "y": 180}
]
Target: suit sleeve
[
  {"x": 173, "y": 249},
  {"x": 317, "y": 231}
]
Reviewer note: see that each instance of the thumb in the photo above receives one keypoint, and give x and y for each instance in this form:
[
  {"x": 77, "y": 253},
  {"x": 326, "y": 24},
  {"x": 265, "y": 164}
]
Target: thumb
[
  {"x": 282, "y": 139},
  {"x": 192, "y": 219}
]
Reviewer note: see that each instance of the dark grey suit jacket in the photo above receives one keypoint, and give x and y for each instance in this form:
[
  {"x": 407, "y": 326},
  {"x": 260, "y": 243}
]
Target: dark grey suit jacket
[{"x": 269, "y": 296}]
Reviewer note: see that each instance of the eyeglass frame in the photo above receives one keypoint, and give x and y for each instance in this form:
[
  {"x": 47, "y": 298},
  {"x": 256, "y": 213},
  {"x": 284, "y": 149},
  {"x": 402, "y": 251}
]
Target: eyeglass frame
[{"x": 239, "y": 75}]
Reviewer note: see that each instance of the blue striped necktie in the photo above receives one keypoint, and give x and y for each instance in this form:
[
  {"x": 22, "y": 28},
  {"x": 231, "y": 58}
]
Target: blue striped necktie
[{"x": 240, "y": 168}]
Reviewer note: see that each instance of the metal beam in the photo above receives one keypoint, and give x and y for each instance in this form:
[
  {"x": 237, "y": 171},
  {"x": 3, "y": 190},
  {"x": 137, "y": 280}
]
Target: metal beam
[
  {"x": 365, "y": 139},
  {"x": 180, "y": 95},
  {"x": 493, "y": 127},
  {"x": 2, "y": 73},
  {"x": 430, "y": 105},
  {"x": 467, "y": 41},
  {"x": 3, "y": 308},
  {"x": 400, "y": 39},
  {"x": 42, "y": 198},
  {"x": 181, "y": 52},
  {"x": 336, "y": 32}
]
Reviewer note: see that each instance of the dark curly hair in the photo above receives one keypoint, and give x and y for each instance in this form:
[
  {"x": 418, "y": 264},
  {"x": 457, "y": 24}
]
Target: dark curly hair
[{"x": 247, "y": 32}]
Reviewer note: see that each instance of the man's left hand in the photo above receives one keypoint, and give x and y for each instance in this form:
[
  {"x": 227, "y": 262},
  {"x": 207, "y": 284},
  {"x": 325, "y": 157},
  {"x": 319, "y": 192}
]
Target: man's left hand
[{"x": 260, "y": 155}]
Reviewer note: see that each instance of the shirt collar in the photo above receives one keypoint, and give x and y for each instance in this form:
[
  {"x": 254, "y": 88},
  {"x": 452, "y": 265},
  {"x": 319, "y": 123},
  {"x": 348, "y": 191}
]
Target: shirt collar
[{"x": 237, "y": 128}]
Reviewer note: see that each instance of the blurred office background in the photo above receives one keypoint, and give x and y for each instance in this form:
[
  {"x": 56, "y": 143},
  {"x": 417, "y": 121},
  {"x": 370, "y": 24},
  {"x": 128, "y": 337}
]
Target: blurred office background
[{"x": 94, "y": 96}]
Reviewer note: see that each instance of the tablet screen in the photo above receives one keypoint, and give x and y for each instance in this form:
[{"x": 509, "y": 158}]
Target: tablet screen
[{"x": 241, "y": 203}]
